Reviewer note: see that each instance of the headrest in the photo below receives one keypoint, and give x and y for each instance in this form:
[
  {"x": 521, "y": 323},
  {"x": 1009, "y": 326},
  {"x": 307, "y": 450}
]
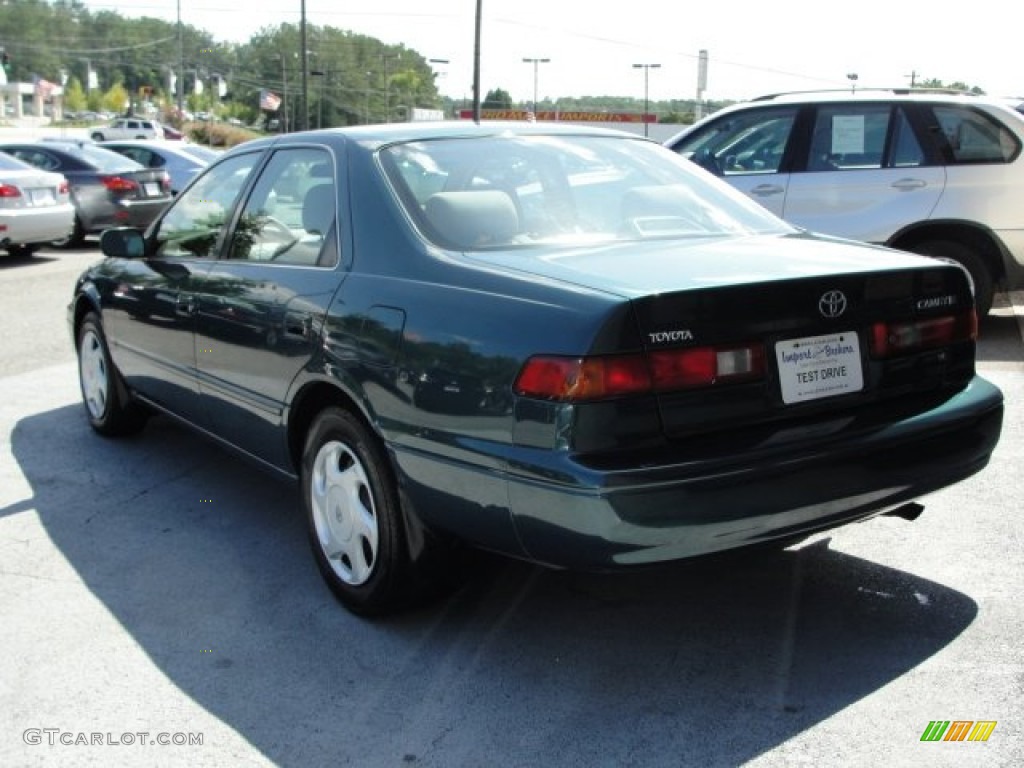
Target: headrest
[{"x": 473, "y": 218}]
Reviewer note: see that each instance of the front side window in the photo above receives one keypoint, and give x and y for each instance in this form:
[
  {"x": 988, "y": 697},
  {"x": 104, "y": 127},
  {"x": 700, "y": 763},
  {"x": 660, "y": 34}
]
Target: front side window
[
  {"x": 974, "y": 137},
  {"x": 849, "y": 137},
  {"x": 752, "y": 141},
  {"x": 195, "y": 222},
  {"x": 290, "y": 215}
]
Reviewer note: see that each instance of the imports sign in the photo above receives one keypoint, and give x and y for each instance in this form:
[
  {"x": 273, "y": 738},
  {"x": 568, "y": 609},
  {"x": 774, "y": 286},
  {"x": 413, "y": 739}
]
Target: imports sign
[{"x": 560, "y": 116}]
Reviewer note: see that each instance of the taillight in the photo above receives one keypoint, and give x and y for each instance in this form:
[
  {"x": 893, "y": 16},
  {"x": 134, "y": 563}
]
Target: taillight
[
  {"x": 63, "y": 188},
  {"x": 893, "y": 339},
  {"x": 119, "y": 184},
  {"x": 579, "y": 379},
  {"x": 576, "y": 379},
  {"x": 7, "y": 190}
]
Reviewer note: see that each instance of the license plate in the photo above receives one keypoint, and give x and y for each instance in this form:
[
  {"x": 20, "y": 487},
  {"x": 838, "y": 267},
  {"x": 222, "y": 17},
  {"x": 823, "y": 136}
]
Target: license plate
[
  {"x": 819, "y": 366},
  {"x": 152, "y": 189},
  {"x": 41, "y": 196}
]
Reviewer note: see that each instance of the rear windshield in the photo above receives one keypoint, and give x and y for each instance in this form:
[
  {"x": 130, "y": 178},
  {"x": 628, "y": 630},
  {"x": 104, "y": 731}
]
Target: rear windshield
[
  {"x": 8, "y": 163},
  {"x": 520, "y": 191},
  {"x": 102, "y": 159}
]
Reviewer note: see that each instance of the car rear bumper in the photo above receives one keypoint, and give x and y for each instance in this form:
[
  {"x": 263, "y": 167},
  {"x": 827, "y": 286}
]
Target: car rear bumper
[
  {"x": 36, "y": 225},
  {"x": 579, "y": 517}
]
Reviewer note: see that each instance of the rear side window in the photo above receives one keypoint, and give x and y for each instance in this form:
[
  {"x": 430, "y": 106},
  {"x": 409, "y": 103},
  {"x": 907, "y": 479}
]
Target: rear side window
[
  {"x": 974, "y": 137},
  {"x": 290, "y": 215}
]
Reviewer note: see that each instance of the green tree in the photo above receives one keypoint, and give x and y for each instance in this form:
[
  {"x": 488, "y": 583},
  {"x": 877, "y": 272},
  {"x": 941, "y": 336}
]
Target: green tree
[
  {"x": 116, "y": 98},
  {"x": 497, "y": 99},
  {"x": 75, "y": 99}
]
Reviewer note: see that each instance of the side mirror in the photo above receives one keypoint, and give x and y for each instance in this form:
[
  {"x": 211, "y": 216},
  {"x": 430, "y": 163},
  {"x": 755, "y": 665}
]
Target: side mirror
[{"x": 123, "y": 243}]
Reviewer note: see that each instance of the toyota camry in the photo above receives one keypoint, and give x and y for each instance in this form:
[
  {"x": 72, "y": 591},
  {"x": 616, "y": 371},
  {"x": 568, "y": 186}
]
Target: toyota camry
[{"x": 561, "y": 344}]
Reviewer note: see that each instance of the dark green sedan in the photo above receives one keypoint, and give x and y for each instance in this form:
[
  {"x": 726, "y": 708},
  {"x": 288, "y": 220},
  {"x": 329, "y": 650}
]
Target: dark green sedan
[{"x": 562, "y": 344}]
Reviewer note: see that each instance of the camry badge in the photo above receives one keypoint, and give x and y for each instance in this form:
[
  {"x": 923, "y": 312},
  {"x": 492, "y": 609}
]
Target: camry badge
[{"x": 832, "y": 304}]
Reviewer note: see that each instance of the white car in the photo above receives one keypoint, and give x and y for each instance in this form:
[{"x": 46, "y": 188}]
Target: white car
[
  {"x": 35, "y": 207},
  {"x": 936, "y": 173},
  {"x": 128, "y": 128}
]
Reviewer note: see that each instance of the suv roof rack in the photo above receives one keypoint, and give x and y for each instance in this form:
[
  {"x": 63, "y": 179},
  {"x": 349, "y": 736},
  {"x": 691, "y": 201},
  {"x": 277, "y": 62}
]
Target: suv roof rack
[{"x": 899, "y": 91}]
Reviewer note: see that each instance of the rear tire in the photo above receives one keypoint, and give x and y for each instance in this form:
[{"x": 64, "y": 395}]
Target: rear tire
[
  {"x": 107, "y": 404},
  {"x": 355, "y": 520},
  {"x": 97, "y": 136},
  {"x": 22, "y": 251},
  {"x": 984, "y": 283},
  {"x": 73, "y": 240}
]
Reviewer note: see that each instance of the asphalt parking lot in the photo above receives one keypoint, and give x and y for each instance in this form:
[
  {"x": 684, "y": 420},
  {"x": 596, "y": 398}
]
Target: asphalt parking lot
[{"x": 160, "y": 606}]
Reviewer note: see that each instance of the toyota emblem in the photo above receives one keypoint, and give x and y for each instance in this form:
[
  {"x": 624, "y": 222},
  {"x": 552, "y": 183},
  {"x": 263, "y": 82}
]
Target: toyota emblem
[{"x": 832, "y": 304}]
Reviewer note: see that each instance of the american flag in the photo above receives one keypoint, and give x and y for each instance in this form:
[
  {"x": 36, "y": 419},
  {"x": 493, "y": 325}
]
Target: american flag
[
  {"x": 44, "y": 87},
  {"x": 269, "y": 101}
]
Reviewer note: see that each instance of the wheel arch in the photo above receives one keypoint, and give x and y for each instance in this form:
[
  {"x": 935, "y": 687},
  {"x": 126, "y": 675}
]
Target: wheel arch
[
  {"x": 979, "y": 239},
  {"x": 312, "y": 398},
  {"x": 87, "y": 300}
]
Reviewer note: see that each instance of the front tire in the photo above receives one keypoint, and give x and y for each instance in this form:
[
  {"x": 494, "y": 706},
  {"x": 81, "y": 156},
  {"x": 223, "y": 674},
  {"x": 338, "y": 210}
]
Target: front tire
[
  {"x": 354, "y": 515},
  {"x": 107, "y": 404}
]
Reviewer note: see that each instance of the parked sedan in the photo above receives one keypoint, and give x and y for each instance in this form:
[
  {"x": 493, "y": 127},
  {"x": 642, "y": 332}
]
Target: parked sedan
[
  {"x": 633, "y": 363},
  {"x": 34, "y": 207},
  {"x": 107, "y": 189},
  {"x": 181, "y": 165}
]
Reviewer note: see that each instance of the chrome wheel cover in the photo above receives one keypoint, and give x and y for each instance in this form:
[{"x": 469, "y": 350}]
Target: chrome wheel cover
[
  {"x": 93, "y": 374},
  {"x": 344, "y": 512}
]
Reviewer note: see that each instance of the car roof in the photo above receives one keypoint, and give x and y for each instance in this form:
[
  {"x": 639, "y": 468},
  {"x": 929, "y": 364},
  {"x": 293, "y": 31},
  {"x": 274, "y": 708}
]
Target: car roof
[
  {"x": 870, "y": 94},
  {"x": 377, "y": 135}
]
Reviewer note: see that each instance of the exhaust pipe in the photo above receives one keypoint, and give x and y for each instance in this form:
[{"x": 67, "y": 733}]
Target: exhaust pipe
[{"x": 910, "y": 511}]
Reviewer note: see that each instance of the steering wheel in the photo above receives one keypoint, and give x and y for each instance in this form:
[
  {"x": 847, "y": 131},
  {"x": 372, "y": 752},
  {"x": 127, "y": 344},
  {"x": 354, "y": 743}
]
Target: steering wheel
[{"x": 276, "y": 229}]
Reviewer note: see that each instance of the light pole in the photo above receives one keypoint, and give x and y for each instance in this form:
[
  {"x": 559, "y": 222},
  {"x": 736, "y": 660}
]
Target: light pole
[
  {"x": 536, "y": 63},
  {"x": 647, "y": 70},
  {"x": 322, "y": 74}
]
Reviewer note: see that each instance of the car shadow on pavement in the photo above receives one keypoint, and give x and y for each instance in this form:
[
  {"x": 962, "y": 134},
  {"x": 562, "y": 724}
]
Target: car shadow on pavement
[{"x": 204, "y": 562}]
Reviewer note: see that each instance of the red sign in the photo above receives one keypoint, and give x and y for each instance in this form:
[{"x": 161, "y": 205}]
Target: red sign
[{"x": 568, "y": 116}]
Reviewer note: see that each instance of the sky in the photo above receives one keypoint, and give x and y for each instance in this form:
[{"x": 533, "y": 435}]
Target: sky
[{"x": 754, "y": 47}]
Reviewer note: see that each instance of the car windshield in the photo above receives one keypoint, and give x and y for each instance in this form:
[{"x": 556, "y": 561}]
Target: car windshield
[{"x": 521, "y": 191}]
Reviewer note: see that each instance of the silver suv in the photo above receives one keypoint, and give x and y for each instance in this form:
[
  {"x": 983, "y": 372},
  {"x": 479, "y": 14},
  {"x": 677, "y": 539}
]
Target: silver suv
[
  {"x": 931, "y": 172},
  {"x": 128, "y": 128}
]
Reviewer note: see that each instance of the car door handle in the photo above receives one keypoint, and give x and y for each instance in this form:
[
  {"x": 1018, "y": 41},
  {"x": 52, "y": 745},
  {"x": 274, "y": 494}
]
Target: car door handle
[
  {"x": 185, "y": 305},
  {"x": 766, "y": 190},
  {"x": 909, "y": 184}
]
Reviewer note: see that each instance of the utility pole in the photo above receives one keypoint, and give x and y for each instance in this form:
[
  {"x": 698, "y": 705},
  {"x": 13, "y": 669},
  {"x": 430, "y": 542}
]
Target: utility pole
[
  {"x": 304, "y": 114},
  {"x": 180, "y": 81},
  {"x": 913, "y": 78}
]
